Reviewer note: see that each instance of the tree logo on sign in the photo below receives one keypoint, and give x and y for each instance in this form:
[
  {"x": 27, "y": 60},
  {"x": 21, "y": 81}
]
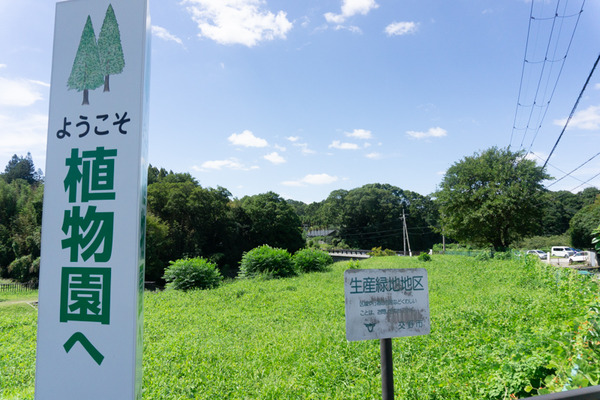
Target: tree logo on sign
[{"x": 96, "y": 60}]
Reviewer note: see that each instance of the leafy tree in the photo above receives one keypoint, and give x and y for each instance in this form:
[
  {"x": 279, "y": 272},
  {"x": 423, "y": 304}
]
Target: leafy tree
[
  {"x": 561, "y": 206},
  {"x": 371, "y": 216},
  {"x": 491, "y": 198},
  {"x": 158, "y": 245},
  {"x": 583, "y": 224},
  {"x": 87, "y": 73},
  {"x": 20, "y": 225},
  {"x": 596, "y": 239},
  {"x": 21, "y": 168},
  {"x": 271, "y": 220},
  {"x": 109, "y": 47}
]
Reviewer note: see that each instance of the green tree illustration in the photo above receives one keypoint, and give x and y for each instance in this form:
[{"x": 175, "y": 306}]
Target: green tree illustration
[
  {"x": 109, "y": 47},
  {"x": 86, "y": 73}
]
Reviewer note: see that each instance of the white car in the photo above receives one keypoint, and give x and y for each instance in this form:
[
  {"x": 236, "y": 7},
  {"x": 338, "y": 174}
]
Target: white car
[
  {"x": 581, "y": 256},
  {"x": 562, "y": 251},
  {"x": 541, "y": 254}
]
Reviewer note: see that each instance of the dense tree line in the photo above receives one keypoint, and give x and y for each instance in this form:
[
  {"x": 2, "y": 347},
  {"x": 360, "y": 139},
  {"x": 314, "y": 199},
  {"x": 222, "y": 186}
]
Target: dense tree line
[
  {"x": 186, "y": 220},
  {"x": 21, "y": 192},
  {"x": 372, "y": 216},
  {"x": 496, "y": 191}
]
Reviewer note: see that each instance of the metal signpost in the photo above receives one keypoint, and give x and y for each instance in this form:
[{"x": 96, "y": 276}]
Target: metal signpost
[
  {"x": 383, "y": 304},
  {"x": 89, "y": 342}
]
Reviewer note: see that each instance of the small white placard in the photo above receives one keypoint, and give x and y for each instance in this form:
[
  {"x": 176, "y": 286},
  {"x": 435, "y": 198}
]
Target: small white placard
[{"x": 386, "y": 303}]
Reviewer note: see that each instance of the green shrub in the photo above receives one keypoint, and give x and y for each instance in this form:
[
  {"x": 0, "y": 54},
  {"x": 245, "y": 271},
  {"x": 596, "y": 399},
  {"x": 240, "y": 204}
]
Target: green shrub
[
  {"x": 503, "y": 255},
  {"x": 311, "y": 260},
  {"x": 192, "y": 273},
  {"x": 268, "y": 262},
  {"x": 377, "y": 252},
  {"x": 424, "y": 257},
  {"x": 20, "y": 269},
  {"x": 483, "y": 256}
]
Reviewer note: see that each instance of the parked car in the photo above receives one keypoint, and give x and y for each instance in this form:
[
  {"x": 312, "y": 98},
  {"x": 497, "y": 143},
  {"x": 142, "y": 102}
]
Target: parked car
[
  {"x": 581, "y": 256},
  {"x": 541, "y": 254},
  {"x": 562, "y": 251}
]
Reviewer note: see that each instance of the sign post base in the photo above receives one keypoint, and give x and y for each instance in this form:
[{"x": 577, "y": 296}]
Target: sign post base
[{"x": 387, "y": 370}]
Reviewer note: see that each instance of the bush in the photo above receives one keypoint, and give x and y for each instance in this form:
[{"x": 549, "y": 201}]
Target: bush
[
  {"x": 424, "y": 257},
  {"x": 267, "y": 261},
  {"x": 21, "y": 269},
  {"x": 377, "y": 252},
  {"x": 192, "y": 273},
  {"x": 311, "y": 260}
]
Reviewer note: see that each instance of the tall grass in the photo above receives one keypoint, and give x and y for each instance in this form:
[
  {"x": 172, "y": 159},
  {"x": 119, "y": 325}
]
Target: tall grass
[{"x": 493, "y": 327}]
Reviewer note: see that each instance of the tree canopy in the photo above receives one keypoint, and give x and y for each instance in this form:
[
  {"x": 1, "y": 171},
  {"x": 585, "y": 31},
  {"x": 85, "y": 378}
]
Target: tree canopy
[
  {"x": 491, "y": 198},
  {"x": 21, "y": 168},
  {"x": 583, "y": 223}
]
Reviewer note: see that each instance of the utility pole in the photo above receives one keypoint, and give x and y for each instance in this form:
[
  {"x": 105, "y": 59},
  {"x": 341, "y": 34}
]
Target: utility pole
[{"x": 405, "y": 239}]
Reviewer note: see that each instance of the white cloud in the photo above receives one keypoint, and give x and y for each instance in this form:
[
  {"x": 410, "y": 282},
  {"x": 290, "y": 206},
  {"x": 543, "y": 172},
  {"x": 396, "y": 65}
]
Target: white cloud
[
  {"x": 312, "y": 179},
  {"x": 247, "y": 139},
  {"x": 165, "y": 35},
  {"x": 2, "y": 66},
  {"x": 304, "y": 148},
  {"x": 432, "y": 132},
  {"x": 275, "y": 158},
  {"x": 588, "y": 119},
  {"x": 360, "y": 134},
  {"x": 293, "y": 138},
  {"x": 237, "y": 21},
  {"x": 24, "y": 134},
  {"x": 19, "y": 92},
  {"x": 596, "y": 86},
  {"x": 280, "y": 148},
  {"x": 231, "y": 163},
  {"x": 351, "y": 8},
  {"x": 374, "y": 156},
  {"x": 401, "y": 28},
  {"x": 336, "y": 144}
]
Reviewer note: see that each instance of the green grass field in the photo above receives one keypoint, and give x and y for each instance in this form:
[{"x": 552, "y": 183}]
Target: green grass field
[{"x": 496, "y": 327}]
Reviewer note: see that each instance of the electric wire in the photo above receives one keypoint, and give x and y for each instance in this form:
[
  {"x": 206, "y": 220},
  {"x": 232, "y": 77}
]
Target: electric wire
[
  {"x": 541, "y": 103},
  {"x": 573, "y": 110},
  {"x": 563, "y": 59},
  {"x": 593, "y": 177},
  {"x": 569, "y": 174}
]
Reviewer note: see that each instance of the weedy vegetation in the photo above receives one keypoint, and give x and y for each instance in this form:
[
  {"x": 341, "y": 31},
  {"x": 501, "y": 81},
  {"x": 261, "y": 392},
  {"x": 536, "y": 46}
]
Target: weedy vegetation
[{"x": 499, "y": 328}]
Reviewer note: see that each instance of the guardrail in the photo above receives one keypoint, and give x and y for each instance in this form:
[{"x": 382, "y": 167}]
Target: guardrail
[{"x": 588, "y": 393}]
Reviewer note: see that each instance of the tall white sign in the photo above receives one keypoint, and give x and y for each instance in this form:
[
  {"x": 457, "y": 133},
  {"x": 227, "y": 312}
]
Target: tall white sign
[
  {"x": 92, "y": 266},
  {"x": 386, "y": 303}
]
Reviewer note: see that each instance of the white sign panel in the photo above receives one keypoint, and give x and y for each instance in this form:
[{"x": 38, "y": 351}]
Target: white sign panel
[
  {"x": 93, "y": 226},
  {"x": 386, "y": 303}
]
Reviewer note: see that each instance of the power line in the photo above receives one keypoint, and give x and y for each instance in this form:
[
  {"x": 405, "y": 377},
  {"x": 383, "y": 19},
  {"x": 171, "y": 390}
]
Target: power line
[
  {"x": 573, "y": 110},
  {"x": 595, "y": 176},
  {"x": 568, "y": 174},
  {"x": 541, "y": 100}
]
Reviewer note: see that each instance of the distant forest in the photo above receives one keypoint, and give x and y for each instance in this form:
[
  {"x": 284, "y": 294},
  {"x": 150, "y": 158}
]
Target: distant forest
[{"x": 185, "y": 219}]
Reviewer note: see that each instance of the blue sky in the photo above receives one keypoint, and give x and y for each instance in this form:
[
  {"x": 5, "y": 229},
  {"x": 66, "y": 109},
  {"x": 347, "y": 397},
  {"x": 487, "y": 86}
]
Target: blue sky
[{"x": 306, "y": 97}]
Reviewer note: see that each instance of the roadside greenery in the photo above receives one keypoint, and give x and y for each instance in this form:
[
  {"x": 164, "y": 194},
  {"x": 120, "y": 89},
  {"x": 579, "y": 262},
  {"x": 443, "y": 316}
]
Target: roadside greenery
[{"x": 500, "y": 328}]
